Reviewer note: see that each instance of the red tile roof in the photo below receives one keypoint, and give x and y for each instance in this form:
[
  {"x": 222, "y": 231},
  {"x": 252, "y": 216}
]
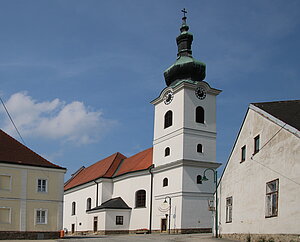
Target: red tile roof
[
  {"x": 102, "y": 168},
  {"x": 137, "y": 162},
  {"x": 114, "y": 165},
  {"x": 12, "y": 151}
]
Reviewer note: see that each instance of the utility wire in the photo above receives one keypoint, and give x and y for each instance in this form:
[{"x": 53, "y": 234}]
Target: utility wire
[{"x": 12, "y": 120}]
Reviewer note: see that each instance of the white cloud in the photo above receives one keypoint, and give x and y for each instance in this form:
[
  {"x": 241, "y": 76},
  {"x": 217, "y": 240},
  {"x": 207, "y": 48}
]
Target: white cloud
[{"x": 55, "y": 119}]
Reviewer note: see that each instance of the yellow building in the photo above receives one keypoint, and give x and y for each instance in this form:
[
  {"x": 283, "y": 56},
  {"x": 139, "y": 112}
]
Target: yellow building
[{"x": 31, "y": 192}]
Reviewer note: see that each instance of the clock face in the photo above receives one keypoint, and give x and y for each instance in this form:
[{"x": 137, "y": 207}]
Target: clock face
[
  {"x": 168, "y": 97},
  {"x": 200, "y": 93}
]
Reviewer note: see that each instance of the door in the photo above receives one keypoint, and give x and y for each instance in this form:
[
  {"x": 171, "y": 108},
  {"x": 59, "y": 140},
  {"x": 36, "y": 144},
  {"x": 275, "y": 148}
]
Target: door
[
  {"x": 95, "y": 224},
  {"x": 163, "y": 227},
  {"x": 73, "y": 228}
]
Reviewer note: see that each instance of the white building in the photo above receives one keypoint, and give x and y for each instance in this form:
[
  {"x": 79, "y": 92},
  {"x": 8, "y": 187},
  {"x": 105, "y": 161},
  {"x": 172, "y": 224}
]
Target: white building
[
  {"x": 259, "y": 188},
  {"x": 159, "y": 189}
]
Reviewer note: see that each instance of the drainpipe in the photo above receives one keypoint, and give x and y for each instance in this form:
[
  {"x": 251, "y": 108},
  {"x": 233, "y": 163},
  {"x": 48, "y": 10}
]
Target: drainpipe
[
  {"x": 96, "y": 193},
  {"x": 151, "y": 195}
]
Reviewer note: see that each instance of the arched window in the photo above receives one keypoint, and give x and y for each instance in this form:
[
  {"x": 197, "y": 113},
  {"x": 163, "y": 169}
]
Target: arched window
[
  {"x": 140, "y": 199},
  {"x": 73, "y": 208},
  {"x": 200, "y": 115},
  {"x": 168, "y": 119},
  {"x": 165, "y": 182},
  {"x": 167, "y": 151},
  {"x": 199, "y": 148},
  {"x": 199, "y": 179},
  {"x": 88, "y": 203}
]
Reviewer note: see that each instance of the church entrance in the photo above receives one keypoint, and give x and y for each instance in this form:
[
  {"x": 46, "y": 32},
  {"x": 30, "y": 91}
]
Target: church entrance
[
  {"x": 163, "y": 227},
  {"x": 73, "y": 228},
  {"x": 95, "y": 224}
]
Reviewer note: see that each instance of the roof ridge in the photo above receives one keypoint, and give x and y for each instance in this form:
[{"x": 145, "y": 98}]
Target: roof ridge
[
  {"x": 30, "y": 150},
  {"x": 280, "y": 101}
]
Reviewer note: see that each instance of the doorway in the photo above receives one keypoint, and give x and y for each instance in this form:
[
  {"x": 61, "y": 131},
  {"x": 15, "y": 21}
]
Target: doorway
[
  {"x": 73, "y": 228},
  {"x": 163, "y": 227},
  {"x": 95, "y": 224}
]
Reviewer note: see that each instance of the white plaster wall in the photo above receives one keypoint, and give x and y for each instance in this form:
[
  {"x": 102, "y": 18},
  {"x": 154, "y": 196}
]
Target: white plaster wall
[
  {"x": 246, "y": 181},
  {"x": 80, "y": 197},
  {"x": 173, "y": 190},
  {"x": 110, "y": 220},
  {"x": 126, "y": 187}
]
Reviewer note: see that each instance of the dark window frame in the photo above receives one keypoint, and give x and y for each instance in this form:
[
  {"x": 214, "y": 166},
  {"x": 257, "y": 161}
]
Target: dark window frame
[
  {"x": 73, "y": 212},
  {"x": 200, "y": 148},
  {"x": 119, "y": 220},
  {"x": 256, "y": 144},
  {"x": 168, "y": 120},
  {"x": 140, "y": 199},
  {"x": 165, "y": 182},
  {"x": 229, "y": 206},
  {"x": 200, "y": 115},
  {"x": 270, "y": 196},
  {"x": 167, "y": 151},
  {"x": 243, "y": 153},
  {"x": 199, "y": 179},
  {"x": 88, "y": 203}
]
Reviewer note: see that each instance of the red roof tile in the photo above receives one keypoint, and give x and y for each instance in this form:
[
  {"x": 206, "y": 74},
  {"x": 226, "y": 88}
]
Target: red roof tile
[
  {"x": 114, "y": 165},
  {"x": 102, "y": 168},
  {"x": 137, "y": 162},
  {"x": 12, "y": 151}
]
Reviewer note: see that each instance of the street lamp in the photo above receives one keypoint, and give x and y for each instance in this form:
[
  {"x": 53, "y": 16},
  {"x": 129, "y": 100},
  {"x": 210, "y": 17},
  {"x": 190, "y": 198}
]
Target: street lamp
[
  {"x": 216, "y": 183},
  {"x": 169, "y": 211}
]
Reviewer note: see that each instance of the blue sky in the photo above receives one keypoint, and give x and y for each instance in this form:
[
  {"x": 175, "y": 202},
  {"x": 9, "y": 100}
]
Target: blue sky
[{"x": 78, "y": 76}]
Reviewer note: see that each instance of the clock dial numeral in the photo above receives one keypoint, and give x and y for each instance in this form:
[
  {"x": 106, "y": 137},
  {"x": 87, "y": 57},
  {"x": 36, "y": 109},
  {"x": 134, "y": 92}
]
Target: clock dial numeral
[
  {"x": 200, "y": 93},
  {"x": 168, "y": 97}
]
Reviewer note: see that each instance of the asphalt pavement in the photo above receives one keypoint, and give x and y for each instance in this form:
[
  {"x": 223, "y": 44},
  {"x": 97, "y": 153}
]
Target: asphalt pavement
[{"x": 136, "y": 238}]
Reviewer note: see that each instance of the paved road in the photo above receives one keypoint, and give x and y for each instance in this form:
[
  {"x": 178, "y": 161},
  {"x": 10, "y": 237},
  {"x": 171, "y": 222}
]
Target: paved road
[{"x": 136, "y": 238}]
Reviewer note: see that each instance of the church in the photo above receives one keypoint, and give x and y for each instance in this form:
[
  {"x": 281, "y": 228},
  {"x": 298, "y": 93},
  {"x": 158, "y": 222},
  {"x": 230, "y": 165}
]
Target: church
[{"x": 160, "y": 189}]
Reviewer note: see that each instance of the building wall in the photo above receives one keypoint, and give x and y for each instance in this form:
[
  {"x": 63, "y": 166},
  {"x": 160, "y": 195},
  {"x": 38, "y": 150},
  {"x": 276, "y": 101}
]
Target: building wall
[
  {"x": 126, "y": 188},
  {"x": 23, "y": 199},
  {"x": 246, "y": 181}
]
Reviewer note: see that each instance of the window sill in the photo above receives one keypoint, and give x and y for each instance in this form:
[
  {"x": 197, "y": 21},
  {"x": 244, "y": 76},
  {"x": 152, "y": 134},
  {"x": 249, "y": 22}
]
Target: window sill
[
  {"x": 139, "y": 207},
  {"x": 271, "y": 216}
]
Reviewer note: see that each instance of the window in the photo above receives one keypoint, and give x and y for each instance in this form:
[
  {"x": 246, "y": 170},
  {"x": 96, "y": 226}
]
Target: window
[
  {"x": 228, "y": 209},
  {"x": 200, "y": 115},
  {"x": 88, "y": 203},
  {"x": 73, "y": 208},
  {"x": 256, "y": 144},
  {"x": 140, "y": 199},
  {"x": 41, "y": 216},
  {"x": 5, "y": 215},
  {"x": 5, "y": 182},
  {"x": 199, "y": 179},
  {"x": 167, "y": 151},
  {"x": 243, "y": 153},
  {"x": 272, "y": 198},
  {"x": 119, "y": 220},
  {"x": 199, "y": 148},
  {"x": 165, "y": 182},
  {"x": 42, "y": 185},
  {"x": 168, "y": 119}
]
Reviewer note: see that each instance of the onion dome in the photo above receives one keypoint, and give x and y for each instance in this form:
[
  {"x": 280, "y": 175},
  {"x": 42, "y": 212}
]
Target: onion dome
[{"x": 185, "y": 67}]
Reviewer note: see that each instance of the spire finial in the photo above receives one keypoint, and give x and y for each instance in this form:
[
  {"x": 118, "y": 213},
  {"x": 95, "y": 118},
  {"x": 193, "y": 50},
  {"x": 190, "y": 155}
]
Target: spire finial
[{"x": 184, "y": 17}]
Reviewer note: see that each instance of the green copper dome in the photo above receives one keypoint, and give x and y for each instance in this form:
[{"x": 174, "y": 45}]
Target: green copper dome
[{"x": 185, "y": 67}]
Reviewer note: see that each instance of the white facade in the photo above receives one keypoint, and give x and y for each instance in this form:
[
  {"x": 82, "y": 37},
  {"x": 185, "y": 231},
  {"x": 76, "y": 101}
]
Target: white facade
[{"x": 245, "y": 181}]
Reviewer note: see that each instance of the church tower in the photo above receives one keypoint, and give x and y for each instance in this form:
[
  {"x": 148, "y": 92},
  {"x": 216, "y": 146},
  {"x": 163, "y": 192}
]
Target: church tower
[{"x": 184, "y": 142}]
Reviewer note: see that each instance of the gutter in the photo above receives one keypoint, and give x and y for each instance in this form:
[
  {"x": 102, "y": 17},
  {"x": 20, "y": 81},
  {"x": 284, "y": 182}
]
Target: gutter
[{"x": 151, "y": 198}]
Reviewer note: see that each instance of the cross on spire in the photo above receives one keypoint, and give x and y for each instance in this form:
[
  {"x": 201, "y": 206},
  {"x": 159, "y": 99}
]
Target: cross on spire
[{"x": 184, "y": 12}]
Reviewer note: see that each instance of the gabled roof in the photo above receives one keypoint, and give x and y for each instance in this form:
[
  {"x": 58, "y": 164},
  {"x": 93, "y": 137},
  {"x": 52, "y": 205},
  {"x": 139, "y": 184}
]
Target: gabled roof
[
  {"x": 114, "y": 203},
  {"x": 13, "y": 152},
  {"x": 286, "y": 111},
  {"x": 102, "y": 168},
  {"x": 137, "y": 162},
  {"x": 112, "y": 166}
]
